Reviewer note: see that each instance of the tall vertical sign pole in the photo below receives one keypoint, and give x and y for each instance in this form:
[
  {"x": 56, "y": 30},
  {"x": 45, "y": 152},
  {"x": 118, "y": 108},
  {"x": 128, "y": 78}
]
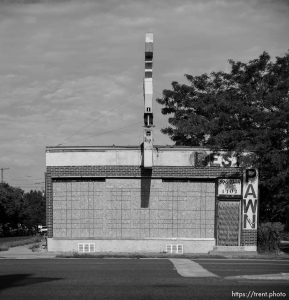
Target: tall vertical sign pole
[
  {"x": 250, "y": 199},
  {"x": 148, "y": 101}
]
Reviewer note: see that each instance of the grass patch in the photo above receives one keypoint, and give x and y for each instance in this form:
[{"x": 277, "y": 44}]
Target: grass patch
[
  {"x": 8, "y": 242},
  {"x": 14, "y": 238},
  {"x": 35, "y": 247}
]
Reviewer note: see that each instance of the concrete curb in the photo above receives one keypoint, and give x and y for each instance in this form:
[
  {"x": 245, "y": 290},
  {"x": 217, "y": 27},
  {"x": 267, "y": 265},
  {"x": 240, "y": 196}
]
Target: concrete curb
[
  {"x": 23, "y": 252},
  {"x": 279, "y": 276}
]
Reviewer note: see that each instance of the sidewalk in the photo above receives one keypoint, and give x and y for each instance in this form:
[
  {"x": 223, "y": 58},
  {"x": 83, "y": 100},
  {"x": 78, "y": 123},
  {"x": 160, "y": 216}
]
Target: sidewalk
[
  {"x": 23, "y": 252},
  {"x": 252, "y": 255}
]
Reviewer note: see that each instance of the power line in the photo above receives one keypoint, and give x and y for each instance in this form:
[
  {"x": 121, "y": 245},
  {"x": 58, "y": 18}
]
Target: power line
[
  {"x": 111, "y": 130},
  {"x": 25, "y": 180},
  {"x": 31, "y": 184},
  {"x": 2, "y": 174},
  {"x": 87, "y": 125}
]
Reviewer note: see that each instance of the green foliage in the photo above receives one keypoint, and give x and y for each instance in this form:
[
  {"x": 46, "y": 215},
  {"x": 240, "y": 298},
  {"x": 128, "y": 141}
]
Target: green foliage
[
  {"x": 35, "y": 247},
  {"x": 33, "y": 209},
  {"x": 11, "y": 200},
  {"x": 244, "y": 110},
  {"x": 20, "y": 212},
  {"x": 269, "y": 236}
]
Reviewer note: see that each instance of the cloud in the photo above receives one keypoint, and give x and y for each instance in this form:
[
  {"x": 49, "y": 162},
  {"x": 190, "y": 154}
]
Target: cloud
[{"x": 72, "y": 70}]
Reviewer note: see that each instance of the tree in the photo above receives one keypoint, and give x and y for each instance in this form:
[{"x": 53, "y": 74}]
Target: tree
[
  {"x": 244, "y": 110},
  {"x": 11, "y": 202},
  {"x": 20, "y": 212},
  {"x": 33, "y": 209}
]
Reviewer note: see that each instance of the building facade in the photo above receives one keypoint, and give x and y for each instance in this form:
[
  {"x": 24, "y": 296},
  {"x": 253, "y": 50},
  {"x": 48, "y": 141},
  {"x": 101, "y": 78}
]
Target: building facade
[
  {"x": 103, "y": 199},
  {"x": 150, "y": 198}
]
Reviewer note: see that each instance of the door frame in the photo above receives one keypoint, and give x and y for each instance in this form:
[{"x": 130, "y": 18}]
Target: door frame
[
  {"x": 237, "y": 201},
  {"x": 231, "y": 198}
]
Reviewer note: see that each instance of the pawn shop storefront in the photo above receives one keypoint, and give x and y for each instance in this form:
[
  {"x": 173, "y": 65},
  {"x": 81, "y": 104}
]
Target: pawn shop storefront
[
  {"x": 102, "y": 199},
  {"x": 236, "y": 207}
]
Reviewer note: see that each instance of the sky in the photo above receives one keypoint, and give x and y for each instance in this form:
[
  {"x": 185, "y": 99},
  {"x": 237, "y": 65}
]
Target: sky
[{"x": 72, "y": 71}]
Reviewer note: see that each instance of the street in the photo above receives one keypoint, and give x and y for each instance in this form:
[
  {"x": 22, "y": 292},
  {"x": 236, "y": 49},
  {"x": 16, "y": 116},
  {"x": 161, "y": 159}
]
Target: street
[{"x": 138, "y": 279}]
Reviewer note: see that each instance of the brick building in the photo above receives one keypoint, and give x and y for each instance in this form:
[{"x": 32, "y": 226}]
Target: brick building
[
  {"x": 103, "y": 199},
  {"x": 148, "y": 198}
]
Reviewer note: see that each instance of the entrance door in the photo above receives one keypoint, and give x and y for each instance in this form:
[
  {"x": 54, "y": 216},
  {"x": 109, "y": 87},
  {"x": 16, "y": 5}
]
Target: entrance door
[{"x": 228, "y": 226}]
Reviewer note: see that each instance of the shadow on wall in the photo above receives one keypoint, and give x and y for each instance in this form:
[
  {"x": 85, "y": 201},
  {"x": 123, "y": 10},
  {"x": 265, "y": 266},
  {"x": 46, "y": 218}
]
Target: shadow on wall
[{"x": 145, "y": 187}]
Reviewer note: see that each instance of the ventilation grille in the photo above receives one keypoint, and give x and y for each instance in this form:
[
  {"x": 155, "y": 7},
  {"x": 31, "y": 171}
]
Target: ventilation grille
[
  {"x": 86, "y": 247},
  {"x": 175, "y": 248}
]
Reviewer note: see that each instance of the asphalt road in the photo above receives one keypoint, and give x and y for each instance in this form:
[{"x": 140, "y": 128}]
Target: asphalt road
[
  {"x": 135, "y": 279},
  {"x": 234, "y": 267}
]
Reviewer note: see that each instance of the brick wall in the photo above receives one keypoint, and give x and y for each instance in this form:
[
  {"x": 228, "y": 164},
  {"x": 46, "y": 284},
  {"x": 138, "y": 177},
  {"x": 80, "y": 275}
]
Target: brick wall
[
  {"x": 249, "y": 237},
  {"x": 135, "y": 171},
  {"x": 129, "y": 209},
  {"x": 49, "y": 203}
]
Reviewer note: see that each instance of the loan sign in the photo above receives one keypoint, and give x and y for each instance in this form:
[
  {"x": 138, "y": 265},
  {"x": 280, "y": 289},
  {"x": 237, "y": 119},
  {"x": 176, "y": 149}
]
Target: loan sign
[
  {"x": 229, "y": 187},
  {"x": 250, "y": 199}
]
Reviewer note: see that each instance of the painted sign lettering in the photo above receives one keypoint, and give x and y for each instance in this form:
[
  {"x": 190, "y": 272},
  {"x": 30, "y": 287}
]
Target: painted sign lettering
[
  {"x": 207, "y": 158},
  {"x": 229, "y": 187},
  {"x": 250, "y": 199}
]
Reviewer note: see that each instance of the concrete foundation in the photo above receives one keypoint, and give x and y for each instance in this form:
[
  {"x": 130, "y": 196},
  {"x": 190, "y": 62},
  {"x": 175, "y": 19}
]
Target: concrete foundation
[
  {"x": 218, "y": 249},
  {"x": 132, "y": 246}
]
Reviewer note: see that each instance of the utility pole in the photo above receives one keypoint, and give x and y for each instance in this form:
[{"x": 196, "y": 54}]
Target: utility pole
[{"x": 2, "y": 174}]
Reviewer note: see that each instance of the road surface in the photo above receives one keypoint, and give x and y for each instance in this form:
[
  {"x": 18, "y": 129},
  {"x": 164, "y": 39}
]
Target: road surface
[{"x": 127, "y": 279}]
